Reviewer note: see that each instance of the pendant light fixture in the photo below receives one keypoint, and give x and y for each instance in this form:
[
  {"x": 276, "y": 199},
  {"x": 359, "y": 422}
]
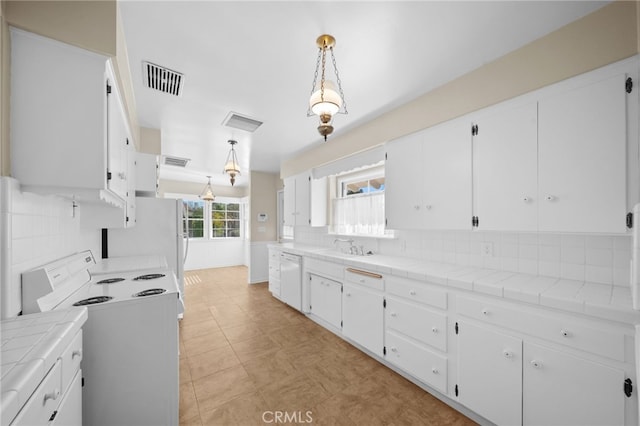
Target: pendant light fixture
[
  {"x": 207, "y": 192},
  {"x": 231, "y": 167},
  {"x": 327, "y": 98}
]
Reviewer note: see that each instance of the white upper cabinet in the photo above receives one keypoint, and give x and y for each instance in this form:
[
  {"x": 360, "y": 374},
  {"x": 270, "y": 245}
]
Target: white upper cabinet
[
  {"x": 582, "y": 141},
  {"x": 506, "y": 170},
  {"x": 403, "y": 182},
  {"x": 305, "y": 200},
  {"x": 446, "y": 185},
  {"x": 69, "y": 130}
]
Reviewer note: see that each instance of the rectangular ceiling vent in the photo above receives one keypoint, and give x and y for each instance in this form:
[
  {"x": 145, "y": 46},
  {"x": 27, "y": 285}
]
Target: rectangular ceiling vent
[
  {"x": 175, "y": 161},
  {"x": 242, "y": 122},
  {"x": 163, "y": 79}
]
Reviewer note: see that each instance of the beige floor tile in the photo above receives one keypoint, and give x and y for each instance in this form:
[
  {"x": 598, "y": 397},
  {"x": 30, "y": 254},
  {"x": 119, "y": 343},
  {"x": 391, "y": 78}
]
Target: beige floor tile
[
  {"x": 245, "y": 410},
  {"x": 293, "y": 393},
  {"x": 211, "y": 362},
  {"x": 255, "y": 347},
  {"x": 270, "y": 368},
  {"x": 239, "y": 333},
  {"x": 205, "y": 343},
  {"x": 191, "y": 330},
  {"x": 185, "y": 374},
  {"x": 214, "y": 390},
  {"x": 188, "y": 403}
]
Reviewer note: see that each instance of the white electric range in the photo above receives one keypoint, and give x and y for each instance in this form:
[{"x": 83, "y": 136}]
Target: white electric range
[{"x": 130, "y": 363}]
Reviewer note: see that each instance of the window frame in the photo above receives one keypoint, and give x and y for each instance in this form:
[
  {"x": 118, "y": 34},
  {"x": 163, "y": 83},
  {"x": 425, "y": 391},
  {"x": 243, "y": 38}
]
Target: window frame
[
  {"x": 368, "y": 174},
  {"x": 226, "y": 219}
]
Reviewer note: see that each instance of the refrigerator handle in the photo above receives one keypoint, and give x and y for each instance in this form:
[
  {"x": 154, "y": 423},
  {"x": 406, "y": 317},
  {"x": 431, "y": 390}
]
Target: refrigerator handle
[{"x": 185, "y": 234}]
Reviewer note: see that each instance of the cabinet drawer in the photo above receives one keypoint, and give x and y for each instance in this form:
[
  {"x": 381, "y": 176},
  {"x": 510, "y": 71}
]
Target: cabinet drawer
[
  {"x": 567, "y": 331},
  {"x": 71, "y": 358},
  {"x": 421, "y": 363},
  {"x": 325, "y": 268},
  {"x": 44, "y": 400},
  {"x": 365, "y": 278},
  {"x": 417, "y": 291},
  {"x": 418, "y": 323}
]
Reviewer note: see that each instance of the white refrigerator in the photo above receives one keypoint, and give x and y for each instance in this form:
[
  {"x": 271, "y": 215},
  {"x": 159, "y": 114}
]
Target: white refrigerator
[{"x": 158, "y": 231}]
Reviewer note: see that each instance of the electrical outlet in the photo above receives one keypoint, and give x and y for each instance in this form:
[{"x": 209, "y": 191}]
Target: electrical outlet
[{"x": 486, "y": 249}]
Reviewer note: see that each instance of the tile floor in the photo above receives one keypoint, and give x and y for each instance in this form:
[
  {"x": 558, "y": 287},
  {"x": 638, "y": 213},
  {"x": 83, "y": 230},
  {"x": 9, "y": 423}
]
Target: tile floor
[{"x": 244, "y": 355}]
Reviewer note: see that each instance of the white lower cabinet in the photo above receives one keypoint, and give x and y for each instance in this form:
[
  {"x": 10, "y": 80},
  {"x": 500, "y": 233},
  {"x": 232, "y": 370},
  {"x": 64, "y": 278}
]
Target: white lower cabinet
[
  {"x": 490, "y": 374},
  {"x": 363, "y": 317},
  {"x": 69, "y": 412},
  {"x": 326, "y": 299},
  {"x": 562, "y": 389},
  {"x": 274, "y": 272},
  {"x": 417, "y": 322},
  {"x": 423, "y": 364}
]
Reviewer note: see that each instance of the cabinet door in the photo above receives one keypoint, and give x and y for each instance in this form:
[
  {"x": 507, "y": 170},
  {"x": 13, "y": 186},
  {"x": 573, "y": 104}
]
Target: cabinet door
[
  {"x": 506, "y": 170},
  {"x": 289, "y": 213},
  {"x": 69, "y": 412},
  {"x": 362, "y": 316},
  {"x": 490, "y": 374},
  {"x": 403, "y": 182},
  {"x": 561, "y": 389},
  {"x": 447, "y": 181},
  {"x": 117, "y": 140},
  {"x": 303, "y": 199},
  {"x": 326, "y": 299},
  {"x": 581, "y": 159}
]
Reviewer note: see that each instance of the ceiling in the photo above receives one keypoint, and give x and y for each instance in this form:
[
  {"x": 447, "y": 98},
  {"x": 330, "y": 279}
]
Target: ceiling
[{"x": 258, "y": 59}]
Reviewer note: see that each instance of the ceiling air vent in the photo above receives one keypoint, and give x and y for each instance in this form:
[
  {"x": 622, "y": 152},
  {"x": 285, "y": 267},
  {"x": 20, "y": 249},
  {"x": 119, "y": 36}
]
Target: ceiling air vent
[
  {"x": 163, "y": 79},
  {"x": 175, "y": 161},
  {"x": 242, "y": 122}
]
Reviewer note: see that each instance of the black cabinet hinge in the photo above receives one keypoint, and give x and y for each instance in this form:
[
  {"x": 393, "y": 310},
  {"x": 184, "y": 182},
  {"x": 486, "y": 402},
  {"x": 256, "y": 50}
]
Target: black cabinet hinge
[
  {"x": 108, "y": 175},
  {"x": 457, "y": 328},
  {"x": 310, "y": 307},
  {"x": 628, "y": 85},
  {"x": 475, "y": 221},
  {"x": 384, "y": 303},
  {"x": 385, "y": 155},
  {"x": 108, "y": 89},
  {"x": 83, "y": 382},
  {"x": 340, "y": 323},
  {"x": 127, "y": 219},
  {"x": 629, "y": 220},
  {"x": 341, "y": 289},
  {"x": 385, "y": 221},
  {"x": 456, "y": 390},
  {"x": 53, "y": 416},
  {"x": 309, "y": 221},
  {"x": 474, "y": 129},
  {"x": 628, "y": 387},
  {"x": 127, "y": 141},
  {"x": 384, "y": 350}
]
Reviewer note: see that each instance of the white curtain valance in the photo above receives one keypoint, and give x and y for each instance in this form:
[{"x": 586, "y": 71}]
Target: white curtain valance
[{"x": 365, "y": 158}]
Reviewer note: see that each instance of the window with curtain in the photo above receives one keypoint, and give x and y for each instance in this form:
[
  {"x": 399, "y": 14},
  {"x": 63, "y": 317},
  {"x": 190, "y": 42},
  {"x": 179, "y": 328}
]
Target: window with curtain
[{"x": 358, "y": 208}]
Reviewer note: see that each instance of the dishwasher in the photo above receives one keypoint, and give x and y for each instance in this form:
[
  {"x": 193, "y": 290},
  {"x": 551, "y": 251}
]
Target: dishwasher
[{"x": 291, "y": 280}]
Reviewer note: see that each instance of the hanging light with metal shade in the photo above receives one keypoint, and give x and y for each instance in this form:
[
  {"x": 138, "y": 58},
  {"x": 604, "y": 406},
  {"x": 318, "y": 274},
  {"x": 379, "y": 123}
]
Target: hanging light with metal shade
[
  {"x": 231, "y": 167},
  {"x": 327, "y": 98},
  {"x": 207, "y": 192}
]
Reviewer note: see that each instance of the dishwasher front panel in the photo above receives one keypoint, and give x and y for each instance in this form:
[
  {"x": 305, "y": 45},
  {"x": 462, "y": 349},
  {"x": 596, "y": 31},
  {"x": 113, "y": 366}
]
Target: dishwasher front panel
[{"x": 291, "y": 280}]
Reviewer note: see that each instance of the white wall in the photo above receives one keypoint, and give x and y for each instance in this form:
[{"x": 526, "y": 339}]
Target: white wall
[
  {"x": 259, "y": 268},
  {"x": 219, "y": 253},
  {"x": 35, "y": 230}
]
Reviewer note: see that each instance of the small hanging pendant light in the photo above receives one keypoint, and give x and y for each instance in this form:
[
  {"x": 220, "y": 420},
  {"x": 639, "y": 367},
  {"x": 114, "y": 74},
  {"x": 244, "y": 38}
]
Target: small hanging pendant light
[
  {"x": 231, "y": 167},
  {"x": 207, "y": 192}
]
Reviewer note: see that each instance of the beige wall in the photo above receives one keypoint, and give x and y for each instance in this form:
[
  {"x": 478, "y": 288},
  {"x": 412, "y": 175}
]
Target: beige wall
[
  {"x": 150, "y": 141},
  {"x": 263, "y": 200},
  {"x": 603, "y": 37},
  {"x": 179, "y": 187}
]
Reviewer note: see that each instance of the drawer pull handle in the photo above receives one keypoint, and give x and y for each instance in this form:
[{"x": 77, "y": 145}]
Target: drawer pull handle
[
  {"x": 393, "y": 314},
  {"x": 485, "y": 311},
  {"x": 565, "y": 333},
  {"x": 412, "y": 292},
  {"x": 52, "y": 395},
  {"x": 434, "y": 329},
  {"x": 536, "y": 364},
  {"x": 365, "y": 273},
  {"x": 76, "y": 353},
  {"x": 507, "y": 354},
  {"x": 435, "y": 371}
]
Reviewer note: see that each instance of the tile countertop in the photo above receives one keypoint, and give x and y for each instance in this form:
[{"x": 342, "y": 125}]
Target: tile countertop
[
  {"x": 594, "y": 299},
  {"x": 30, "y": 346}
]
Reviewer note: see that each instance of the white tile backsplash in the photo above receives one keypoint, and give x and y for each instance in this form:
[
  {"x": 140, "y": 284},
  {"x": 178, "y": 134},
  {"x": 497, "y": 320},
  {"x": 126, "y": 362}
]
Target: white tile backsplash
[
  {"x": 596, "y": 258},
  {"x": 38, "y": 229}
]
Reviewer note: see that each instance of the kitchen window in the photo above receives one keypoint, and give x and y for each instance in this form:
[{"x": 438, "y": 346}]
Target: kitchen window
[
  {"x": 225, "y": 220},
  {"x": 194, "y": 212},
  {"x": 358, "y": 208}
]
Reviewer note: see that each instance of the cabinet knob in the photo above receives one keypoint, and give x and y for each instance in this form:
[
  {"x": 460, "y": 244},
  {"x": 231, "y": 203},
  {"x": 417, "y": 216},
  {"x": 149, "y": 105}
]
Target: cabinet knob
[
  {"x": 52, "y": 395},
  {"x": 393, "y": 314},
  {"x": 536, "y": 364},
  {"x": 485, "y": 311},
  {"x": 122, "y": 176},
  {"x": 428, "y": 207},
  {"x": 526, "y": 199},
  {"x": 417, "y": 207},
  {"x": 565, "y": 333},
  {"x": 507, "y": 354},
  {"x": 412, "y": 292},
  {"x": 550, "y": 198},
  {"x": 394, "y": 349},
  {"x": 77, "y": 352},
  {"x": 435, "y": 371},
  {"x": 434, "y": 329}
]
